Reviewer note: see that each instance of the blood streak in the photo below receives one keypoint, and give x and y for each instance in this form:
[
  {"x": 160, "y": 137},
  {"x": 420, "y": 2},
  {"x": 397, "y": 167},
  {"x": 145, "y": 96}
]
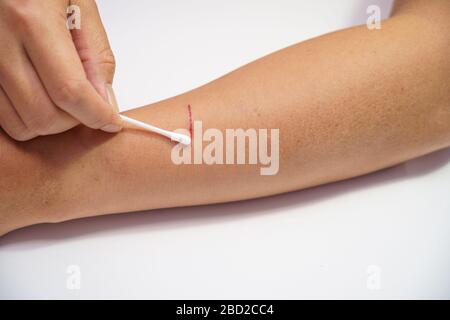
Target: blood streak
[{"x": 190, "y": 121}]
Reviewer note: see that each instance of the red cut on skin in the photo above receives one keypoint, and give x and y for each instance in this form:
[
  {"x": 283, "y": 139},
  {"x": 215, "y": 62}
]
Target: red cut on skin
[{"x": 190, "y": 121}]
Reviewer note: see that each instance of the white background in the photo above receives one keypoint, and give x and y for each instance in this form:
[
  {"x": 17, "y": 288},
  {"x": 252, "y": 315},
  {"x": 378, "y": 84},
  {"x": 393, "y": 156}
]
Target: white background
[{"x": 316, "y": 243}]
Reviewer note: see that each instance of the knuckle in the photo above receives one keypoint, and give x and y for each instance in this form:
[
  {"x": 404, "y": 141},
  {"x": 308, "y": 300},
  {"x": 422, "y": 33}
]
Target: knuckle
[
  {"x": 107, "y": 56},
  {"x": 22, "y": 11},
  {"x": 42, "y": 123},
  {"x": 69, "y": 93},
  {"x": 107, "y": 59}
]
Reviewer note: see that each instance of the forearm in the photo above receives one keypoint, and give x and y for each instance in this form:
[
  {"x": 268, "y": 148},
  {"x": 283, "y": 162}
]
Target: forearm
[{"x": 345, "y": 104}]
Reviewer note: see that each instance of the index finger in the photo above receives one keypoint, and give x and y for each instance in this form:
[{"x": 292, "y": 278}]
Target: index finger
[{"x": 56, "y": 60}]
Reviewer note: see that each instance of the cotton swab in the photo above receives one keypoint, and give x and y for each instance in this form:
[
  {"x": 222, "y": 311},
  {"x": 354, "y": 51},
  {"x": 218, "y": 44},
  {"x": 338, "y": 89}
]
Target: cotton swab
[{"x": 181, "y": 138}]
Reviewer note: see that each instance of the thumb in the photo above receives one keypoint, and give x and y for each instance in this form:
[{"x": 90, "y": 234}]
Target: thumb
[{"x": 93, "y": 47}]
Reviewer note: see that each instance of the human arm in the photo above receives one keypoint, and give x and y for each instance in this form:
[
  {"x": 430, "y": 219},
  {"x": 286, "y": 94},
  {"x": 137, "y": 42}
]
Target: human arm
[{"x": 347, "y": 103}]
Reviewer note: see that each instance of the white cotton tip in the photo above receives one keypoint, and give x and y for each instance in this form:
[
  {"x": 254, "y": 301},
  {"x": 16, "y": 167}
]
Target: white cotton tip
[{"x": 181, "y": 138}]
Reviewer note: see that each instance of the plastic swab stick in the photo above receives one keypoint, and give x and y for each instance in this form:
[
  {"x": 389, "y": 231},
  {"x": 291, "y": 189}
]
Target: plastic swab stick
[{"x": 181, "y": 138}]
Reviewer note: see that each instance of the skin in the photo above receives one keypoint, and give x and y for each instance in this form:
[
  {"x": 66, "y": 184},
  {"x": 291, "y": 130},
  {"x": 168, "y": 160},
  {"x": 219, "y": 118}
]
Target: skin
[
  {"x": 53, "y": 78},
  {"x": 346, "y": 103}
]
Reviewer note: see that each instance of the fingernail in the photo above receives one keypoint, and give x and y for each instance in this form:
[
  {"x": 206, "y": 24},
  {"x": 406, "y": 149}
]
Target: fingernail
[
  {"x": 111, "y": 97},
  {"x": 112, "y": 128}
]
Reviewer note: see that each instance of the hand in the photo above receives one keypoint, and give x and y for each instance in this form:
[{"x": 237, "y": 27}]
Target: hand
[{"x": 53, "y": 78}]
